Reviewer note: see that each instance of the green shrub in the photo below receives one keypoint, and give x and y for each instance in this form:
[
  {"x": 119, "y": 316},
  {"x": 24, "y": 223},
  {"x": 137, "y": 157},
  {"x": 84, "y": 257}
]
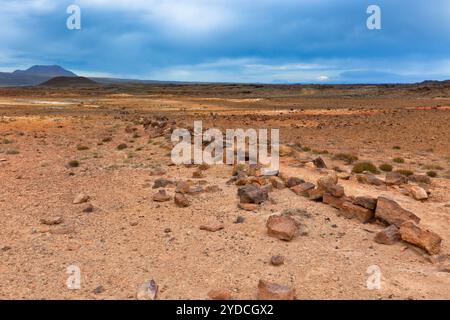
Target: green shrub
[
  {"x": 386, "y": 167},
  {"x": 82, "y": 148},
  {"x": 360, "y": 167},
  {"x": 432, "y": 174},
  {"x": 12, "y": 151},
  {"x": 433, "y": 167},
  {"x": 405, "y": 172},
  {"x": 122, "y": 146},
  {"x": 73, "y": 163},
  {"x": 398, "y": 160},
  {"x": 346, "y": 157}
]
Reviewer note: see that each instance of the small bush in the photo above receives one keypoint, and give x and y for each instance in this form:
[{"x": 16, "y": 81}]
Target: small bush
[
  {"x": 82, "y": 148},
  {"x": 386, "y": 167},
  {"x": 306, "y": 149},
  {"x": 73, "y": 163},
  {"x": 12, "y": 151},
  {"x": 122, "y": 146},
  {"x": 405, "y": 172},
  {"x": 320, "y": 151},
  {"x": 365, "y": 166},
  {"x": 432, "y": 174},
  {"x": 398, "y": 160},
  {"x": 432, "y": 167},
  {"x": 346, "y": 157},
  {"x": 6, "y": 141},
  {"x": 396, "y": 147},
  {"x": 107, "y": 139}
]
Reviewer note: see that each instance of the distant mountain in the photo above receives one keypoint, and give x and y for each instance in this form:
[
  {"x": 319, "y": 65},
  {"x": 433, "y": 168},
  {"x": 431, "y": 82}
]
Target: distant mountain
[
  {"x": 33, "y": 76},
  {"x": 52, "y": 71},
  {"x": 60, "y": 82}
]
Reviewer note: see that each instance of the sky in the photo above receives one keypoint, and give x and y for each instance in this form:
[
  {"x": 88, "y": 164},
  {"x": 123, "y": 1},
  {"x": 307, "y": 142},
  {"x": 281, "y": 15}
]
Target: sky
[{"x": 257, "y": 41}]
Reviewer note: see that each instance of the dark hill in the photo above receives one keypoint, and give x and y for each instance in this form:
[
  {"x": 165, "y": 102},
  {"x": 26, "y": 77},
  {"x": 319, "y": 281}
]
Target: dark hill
[{"x": 69, "y": 82}]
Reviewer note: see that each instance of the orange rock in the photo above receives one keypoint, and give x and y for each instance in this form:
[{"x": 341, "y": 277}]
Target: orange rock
[
  {"x": 390, "y": 211},
  {"x": 362, "y": 214},
  {"x": 425, "y": 239},
  {"x": 388, "y": 236},
  {"x": 281, "y": 227},
  {"x": 220, "y": 294},
  {"x": 212, "y": 226},
  {"x": 273, "y": 291}
]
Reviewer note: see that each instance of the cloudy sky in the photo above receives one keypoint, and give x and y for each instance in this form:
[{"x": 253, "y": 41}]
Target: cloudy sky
[{"x": 270, "y": 41}]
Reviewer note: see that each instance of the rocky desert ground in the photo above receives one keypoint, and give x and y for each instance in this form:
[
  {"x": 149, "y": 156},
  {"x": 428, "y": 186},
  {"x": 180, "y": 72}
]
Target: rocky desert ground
[{"x": 86, "y": 180}]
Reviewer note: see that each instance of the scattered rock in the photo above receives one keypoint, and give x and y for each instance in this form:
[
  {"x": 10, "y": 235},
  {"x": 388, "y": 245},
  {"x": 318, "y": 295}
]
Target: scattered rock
[
  {"x": 198, "y": 174},
  {"x": 51, "y": 221},
  {"x": 281, "y": 227},
  {"x": 252, "y": 194},
  {"x": 373, "y": 180},
  {"x": 294, "y": 181},
  {"x": 269, "y": 172},
  {"x": 395, "y": 178},
  {"x": 390, "y": 211},
  {"x": 351, "y": 210},
  {"x": 388, "y": 236},
  {"x": 248, "y": 206},
  {"x": 99, "y": 289},
  {"x": 88, "y": 208},
  {"x": 419, "y": 178},
  {"x": 425, "y": 239},
  {"x": 161, "y": 196},
  {"x": 337, "y": 191},
  {"x": 319, "y": 163},
  {"x": 212, "y": 226},
  {"x": 212, "y": 189},
  {"x": 418, "y": 193},
  {"x": 326, "y": 182},
  {"x": 162, "y": 183},
  {"x": 277, "y": 183},
  {"x": 285, "y": 151},
  {"x": 81, "y": 198},
  {"x": 366, "y": 202},
  {"x": 277, "y": 260},
  {"x": 272, "y": 291},
  {"x": 240, "y": 219},
  {"x": 183, "y": 187},
  {"x": 316, "y": 194},
  {"x": 333, "y": 201},
  {"x": 62, "y": 229},
  {"x": 181, "y": 200},
  {"x": 158, "y": 172},
  {"x": 147, "y": 290},
  {"x": 302, "y": 189},
  {"x": 221, "y": 294}
]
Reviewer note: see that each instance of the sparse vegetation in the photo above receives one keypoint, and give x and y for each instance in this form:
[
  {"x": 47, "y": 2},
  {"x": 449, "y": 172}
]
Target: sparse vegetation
[
  {"x": 396, "y": 147},
  {"x": 306, "y": 149},
  {"x": 12, "y": 151},
  {"x": 361, "y": 167},
  {"x": 107, "y": 139},
  {"x": 346, "y": 157},
  {"x": 320, "y": 151},
  {"x": 433, "y": 167},
  {"x": 398, "y": 160},
  {"x": 122, "y": 146},
  {"x": 82, "y": 147},
  {"x": 6, "y": 141},
  {"x": 386, "y": 167},
  {"x": 405, "y": 172},
  {"x": 73, "y": 163},
  {"x": 432, "y": 174}
]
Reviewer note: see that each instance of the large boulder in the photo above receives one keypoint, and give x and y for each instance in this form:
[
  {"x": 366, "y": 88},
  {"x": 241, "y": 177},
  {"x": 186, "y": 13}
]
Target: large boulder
[
  {"x": 391, "y": 212},
  {"x": 425, "y": 239}
]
